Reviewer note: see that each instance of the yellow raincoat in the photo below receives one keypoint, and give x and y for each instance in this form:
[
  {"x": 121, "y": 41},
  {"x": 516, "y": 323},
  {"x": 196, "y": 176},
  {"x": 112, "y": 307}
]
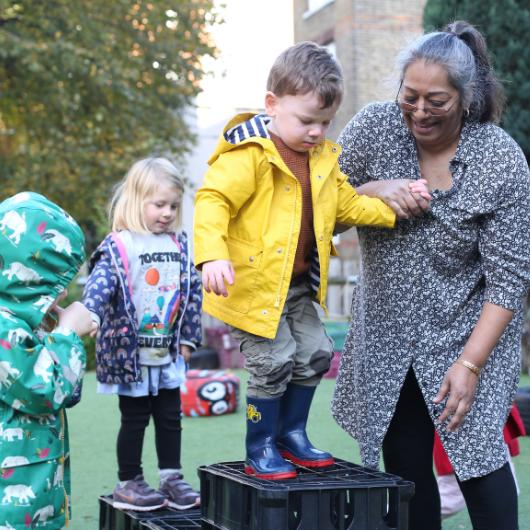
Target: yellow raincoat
[{"x": 249, "y": 211}]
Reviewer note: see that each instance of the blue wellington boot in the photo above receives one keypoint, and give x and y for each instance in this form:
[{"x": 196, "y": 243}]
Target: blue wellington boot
[
  {"x": 263, "y": 459},
  {"x": 292, "y": 441}
]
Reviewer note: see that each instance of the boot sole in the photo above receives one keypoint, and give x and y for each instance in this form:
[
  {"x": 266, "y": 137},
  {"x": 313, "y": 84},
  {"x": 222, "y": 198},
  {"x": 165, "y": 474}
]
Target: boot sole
[
  {"x": 312, "y": 464},
  {"x": 270, "y": 476},
  {"x": 135, "y": 508},
  {"x": 185, "y": 506}
]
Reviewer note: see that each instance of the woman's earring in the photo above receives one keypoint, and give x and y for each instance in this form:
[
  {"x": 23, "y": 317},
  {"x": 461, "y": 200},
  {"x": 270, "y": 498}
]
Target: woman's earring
[{"x": 466, "y": 113}]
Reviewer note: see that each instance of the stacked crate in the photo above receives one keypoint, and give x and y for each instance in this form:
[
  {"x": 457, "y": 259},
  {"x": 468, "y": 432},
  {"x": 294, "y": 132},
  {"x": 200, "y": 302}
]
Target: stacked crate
[{"x": 344, "y": 496}]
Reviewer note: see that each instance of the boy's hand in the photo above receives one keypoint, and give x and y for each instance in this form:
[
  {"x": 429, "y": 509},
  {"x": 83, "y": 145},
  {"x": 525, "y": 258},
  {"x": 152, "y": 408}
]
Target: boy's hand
[
  {"x": 186, "y": 351},
  {"x": 215, "y": 274},
  {"x": 408, "y": 198},
  {"x": 75, "y": 317},
  {"x": 421, "y": 188}
]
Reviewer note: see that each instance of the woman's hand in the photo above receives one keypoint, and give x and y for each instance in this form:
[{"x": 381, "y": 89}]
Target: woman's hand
[
  {"x": 460, "y": 384},
  {"x": 408, "y": 198}
]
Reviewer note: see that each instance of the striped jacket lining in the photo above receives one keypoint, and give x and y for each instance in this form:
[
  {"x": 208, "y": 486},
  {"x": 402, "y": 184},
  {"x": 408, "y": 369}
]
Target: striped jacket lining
[{"x": 256, "y": 126}]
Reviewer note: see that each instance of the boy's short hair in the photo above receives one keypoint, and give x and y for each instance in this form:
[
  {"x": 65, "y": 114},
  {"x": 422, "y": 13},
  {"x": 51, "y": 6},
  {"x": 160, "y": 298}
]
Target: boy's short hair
[{"x": 307, "y": 67}]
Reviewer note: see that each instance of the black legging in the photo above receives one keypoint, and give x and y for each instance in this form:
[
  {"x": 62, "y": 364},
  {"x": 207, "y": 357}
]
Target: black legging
[
  {"x": 135, "y": 414},
  {"x": 407, "y": 452}
]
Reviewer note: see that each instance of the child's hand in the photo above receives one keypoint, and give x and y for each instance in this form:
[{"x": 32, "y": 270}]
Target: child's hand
[
  {"x": 405, "y": 202},
  {"x": 186, "y": 351},
  {"x": 215, "y": 274},
  {"x": 75, "y": 317},
  {"x": 50, "y": 320},
  {"x": 420, "y": 187},
  {"x": 420, "y": 193},
  {"x": 94, "y": 330}
]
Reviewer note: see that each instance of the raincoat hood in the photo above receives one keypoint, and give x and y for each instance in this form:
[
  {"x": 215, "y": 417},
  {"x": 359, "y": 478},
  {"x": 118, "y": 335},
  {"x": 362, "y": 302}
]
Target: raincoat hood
[
  {"x": 242, "y": 129},
  {"x": 41, "y": 250}
]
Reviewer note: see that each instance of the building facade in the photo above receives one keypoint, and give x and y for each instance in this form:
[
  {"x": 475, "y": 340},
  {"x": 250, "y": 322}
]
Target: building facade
[{"x": 365, "y": 36}]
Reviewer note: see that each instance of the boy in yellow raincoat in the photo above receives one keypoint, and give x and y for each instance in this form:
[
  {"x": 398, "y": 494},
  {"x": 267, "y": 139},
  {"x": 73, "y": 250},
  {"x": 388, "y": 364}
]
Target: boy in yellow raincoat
[{"x": 264, "y": 222}]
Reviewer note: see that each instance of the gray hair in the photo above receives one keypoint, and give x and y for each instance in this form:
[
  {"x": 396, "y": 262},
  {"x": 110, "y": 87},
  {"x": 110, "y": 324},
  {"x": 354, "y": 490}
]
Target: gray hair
[{"x": 461, "y": 50}]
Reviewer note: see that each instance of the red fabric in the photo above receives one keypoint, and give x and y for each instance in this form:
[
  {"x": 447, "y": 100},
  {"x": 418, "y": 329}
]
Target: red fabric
[
  {"x": 512, "y": 430},
  {"x": 441, "y": 460}
]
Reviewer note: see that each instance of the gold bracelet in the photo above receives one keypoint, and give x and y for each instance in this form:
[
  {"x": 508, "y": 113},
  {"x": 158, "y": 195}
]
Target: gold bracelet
[{"x": 470, "y": 366}]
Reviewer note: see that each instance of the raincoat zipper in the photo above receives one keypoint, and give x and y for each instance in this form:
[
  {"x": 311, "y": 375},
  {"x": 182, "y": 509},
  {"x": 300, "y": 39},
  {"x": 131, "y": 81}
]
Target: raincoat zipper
[{"x": 126, "y": 306}]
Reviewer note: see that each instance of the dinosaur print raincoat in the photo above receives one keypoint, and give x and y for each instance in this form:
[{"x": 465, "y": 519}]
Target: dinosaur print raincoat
[{"x": 41, "y": 249}]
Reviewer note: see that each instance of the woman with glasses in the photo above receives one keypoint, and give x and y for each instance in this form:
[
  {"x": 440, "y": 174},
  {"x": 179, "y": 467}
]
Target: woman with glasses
[{"x": 435, "y": 337}]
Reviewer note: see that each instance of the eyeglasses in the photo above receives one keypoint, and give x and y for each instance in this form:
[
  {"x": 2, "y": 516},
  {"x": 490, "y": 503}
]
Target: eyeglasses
[
  {"x": 428, "y": 109},
  {"x": 433, "y": 111}
]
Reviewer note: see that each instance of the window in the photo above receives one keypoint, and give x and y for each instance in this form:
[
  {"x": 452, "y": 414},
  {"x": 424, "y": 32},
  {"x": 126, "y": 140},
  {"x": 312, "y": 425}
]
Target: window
[
  {"x": 315, "y": 5},
  {"x": 330, "y": 46}
]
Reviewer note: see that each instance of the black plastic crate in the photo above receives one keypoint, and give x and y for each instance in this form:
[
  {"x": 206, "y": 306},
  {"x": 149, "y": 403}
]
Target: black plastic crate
[
  {"x": 181, "y": 522},
  {"x": 342, "y": 497},
  {"x": 111, "y": 518}
]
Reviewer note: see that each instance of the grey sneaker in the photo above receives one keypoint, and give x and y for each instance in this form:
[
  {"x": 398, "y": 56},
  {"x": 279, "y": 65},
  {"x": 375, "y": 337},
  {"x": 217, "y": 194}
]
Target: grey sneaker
[
  {"x": 137, "y": 495},
  {"x": 179, "y": 493}
]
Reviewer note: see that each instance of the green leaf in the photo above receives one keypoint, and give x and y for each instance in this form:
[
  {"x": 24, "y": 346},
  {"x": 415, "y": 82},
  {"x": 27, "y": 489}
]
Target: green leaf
[
  {"x": 506, "y": 25},
  {"x": 81, "y": 99}
]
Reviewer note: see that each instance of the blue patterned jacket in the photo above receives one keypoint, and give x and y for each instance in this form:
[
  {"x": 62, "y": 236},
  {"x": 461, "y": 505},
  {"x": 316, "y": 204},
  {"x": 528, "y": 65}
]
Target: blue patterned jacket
[{"x": 107, "y": 294}]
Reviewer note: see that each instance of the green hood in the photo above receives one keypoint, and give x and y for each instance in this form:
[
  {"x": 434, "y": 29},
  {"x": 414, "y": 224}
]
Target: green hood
[{"x": 41, "y": 250}]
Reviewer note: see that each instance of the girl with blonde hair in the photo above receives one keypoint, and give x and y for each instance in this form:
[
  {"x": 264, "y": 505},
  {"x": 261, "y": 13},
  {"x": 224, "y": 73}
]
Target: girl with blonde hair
[{"x": 145, "y": 295}]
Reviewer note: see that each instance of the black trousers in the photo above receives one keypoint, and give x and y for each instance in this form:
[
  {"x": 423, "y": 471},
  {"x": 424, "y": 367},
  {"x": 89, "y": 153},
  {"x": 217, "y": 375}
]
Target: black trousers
[
  {"x": 407, "y": 452},
  {"x": 135, "y": 414}
]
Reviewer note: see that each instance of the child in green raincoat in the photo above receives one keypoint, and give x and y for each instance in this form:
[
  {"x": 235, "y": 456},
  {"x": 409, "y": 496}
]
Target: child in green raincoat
[{"x": 41, "y": 249}]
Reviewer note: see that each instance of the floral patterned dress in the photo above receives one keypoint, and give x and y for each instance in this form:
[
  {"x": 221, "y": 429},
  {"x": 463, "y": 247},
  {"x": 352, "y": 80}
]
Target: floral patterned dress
[{"x": 423, "y": 285}]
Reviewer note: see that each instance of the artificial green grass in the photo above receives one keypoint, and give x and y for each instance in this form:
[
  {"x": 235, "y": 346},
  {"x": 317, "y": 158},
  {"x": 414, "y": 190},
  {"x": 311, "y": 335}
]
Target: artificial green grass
[{"x": 94, "y": 425}]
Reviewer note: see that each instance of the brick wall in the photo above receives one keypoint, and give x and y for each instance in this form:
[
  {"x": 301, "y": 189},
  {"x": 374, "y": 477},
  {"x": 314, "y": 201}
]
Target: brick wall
[{"x": 367, "y": 35}]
